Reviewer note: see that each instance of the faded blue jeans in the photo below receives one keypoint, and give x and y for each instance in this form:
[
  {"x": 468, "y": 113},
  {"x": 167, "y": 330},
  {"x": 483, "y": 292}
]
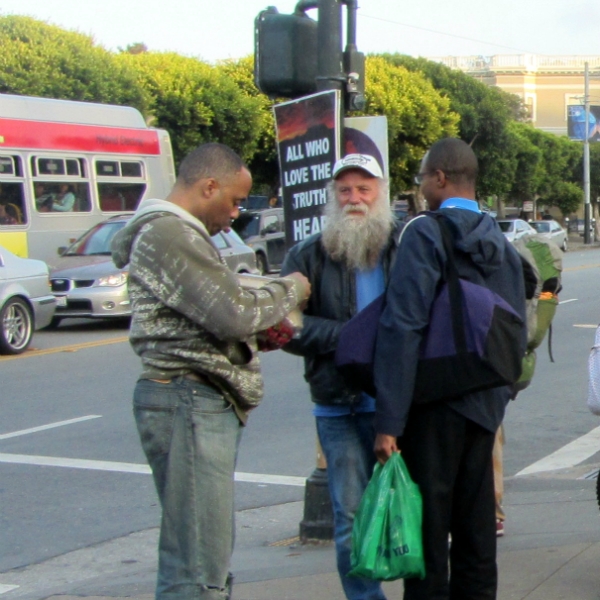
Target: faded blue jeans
[
  {"x": 347, "y": 443},
  {"x": 190, "y": 435}
]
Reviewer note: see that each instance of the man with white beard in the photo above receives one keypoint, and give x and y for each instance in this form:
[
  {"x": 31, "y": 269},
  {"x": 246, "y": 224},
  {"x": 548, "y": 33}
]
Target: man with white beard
[{"x": 347, "y": 266}]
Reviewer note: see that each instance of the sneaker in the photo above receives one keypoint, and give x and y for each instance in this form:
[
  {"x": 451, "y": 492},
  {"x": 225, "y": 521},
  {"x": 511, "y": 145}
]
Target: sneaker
[{"x": 499, "y": 528}]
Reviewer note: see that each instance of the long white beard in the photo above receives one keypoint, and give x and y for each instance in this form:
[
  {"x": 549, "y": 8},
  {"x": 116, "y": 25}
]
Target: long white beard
[{"x": 357, "y": 241}]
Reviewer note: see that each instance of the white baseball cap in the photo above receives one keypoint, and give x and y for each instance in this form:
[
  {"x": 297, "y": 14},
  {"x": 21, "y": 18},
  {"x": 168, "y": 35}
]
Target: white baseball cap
[{"x": 358, "y": 161}]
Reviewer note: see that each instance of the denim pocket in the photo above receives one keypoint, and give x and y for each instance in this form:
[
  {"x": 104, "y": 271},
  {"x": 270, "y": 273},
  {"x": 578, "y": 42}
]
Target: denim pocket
[{"x": 205, "y": 399}]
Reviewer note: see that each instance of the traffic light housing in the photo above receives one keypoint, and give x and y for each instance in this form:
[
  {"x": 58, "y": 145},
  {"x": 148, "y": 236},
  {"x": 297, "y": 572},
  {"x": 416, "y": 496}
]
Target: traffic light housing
[{"x": 285, "y": 54}]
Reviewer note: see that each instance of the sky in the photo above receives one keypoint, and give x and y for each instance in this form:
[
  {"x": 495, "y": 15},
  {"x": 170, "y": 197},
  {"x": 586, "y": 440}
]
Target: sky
[{"x": 213, "y": 30}]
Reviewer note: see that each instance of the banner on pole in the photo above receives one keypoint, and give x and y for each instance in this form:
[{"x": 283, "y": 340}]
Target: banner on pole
[
  {"x": 308, "y": 144},
  {"x": 576, "y": 123}
]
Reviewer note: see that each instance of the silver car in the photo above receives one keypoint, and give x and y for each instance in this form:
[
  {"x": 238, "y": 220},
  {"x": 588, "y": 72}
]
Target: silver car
[
  {"x": 515, "y": 229},
  {"x": 553, "y": 231},
  {"x": 87, "y": 283},
  {"x": 26, "y": 303}
]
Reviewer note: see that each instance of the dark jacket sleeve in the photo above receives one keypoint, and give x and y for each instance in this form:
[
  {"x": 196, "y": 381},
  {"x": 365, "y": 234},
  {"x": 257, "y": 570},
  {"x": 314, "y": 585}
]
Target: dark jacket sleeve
[
  {"x": 319, "y": 335},
  {"x": 411, "y": 291}
]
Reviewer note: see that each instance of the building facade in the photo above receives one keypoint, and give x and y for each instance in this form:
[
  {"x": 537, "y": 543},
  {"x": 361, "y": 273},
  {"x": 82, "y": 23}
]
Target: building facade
[{"x": 546, "y": 84}]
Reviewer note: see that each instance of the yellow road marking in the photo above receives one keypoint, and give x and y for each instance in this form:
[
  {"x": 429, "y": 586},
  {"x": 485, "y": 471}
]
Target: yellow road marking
[
  {"x": 582, "y": 267},
  {"x": 72, "y": 348}
]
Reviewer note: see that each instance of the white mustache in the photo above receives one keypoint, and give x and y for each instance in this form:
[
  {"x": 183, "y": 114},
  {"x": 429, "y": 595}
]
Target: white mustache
[{"x": 354, "y": 208}]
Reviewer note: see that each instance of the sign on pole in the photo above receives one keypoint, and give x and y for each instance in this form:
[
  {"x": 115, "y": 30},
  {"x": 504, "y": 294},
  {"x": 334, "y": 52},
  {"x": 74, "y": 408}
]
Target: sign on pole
[
  {"x": 308, "y": 144},
  {"x": 576, "y": 122}
]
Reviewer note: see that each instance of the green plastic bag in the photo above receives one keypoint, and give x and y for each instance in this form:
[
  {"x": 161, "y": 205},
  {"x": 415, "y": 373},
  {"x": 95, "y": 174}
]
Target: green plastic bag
[{"x": 386, "y": 537}]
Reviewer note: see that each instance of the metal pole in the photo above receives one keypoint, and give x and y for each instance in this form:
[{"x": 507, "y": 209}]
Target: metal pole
[
  {"x": 330, "y": 74},
  {"x": 586, "y": 160}
]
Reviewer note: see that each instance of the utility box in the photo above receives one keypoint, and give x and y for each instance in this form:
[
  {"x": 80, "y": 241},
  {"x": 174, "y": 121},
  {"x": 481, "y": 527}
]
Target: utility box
[{"x": 285, "y": 54}]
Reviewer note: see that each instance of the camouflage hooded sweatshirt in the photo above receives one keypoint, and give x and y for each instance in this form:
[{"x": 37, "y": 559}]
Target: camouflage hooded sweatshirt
[{"x": 190, "y": 314}]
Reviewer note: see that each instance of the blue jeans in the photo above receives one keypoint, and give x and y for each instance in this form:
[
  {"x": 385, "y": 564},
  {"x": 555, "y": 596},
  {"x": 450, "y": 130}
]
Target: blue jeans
[
  {"x": 347, "y": 443},
  {"x": 190, "y": 435}
]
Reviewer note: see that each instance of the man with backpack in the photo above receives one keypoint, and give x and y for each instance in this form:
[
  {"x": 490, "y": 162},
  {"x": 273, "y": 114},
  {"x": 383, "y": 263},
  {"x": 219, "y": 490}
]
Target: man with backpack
[{"x": 446, "y": 444}]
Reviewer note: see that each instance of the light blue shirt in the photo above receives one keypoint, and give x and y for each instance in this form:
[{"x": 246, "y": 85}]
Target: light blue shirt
[
  {"x": 460, "y": 203},
  {"x": 369, "y": 285}
]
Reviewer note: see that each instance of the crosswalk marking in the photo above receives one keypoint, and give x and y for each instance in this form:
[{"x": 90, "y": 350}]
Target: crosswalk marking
[
  {"x": 5, "y": 436},
  {"x": 120, "y": 467},
  {"x": 568, "y": 456},
  {"x": 7, "y": 588}
]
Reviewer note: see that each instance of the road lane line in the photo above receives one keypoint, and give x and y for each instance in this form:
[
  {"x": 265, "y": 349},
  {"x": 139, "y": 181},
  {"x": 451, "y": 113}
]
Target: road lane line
[
  {"x": 5, "y": 436},
  {"x": 581, "y": 268},
  {"x": 567, "y": 301},
  {"x": 72, "y": 348},
  {"x": 586, "y": 325},
  {"x": 568, "y": 456},
  {"x": 7, "y": 588},
  {"x": 119, "y": 467}
]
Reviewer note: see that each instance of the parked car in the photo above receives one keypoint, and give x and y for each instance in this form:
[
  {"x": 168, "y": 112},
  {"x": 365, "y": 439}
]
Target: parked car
[
  {"x": 26, "y": 302},
  {"x": 552, "y": 230},
  {"x": 515, "y": 229},
  {"x": 264, "y": 232},
  {"x": 86, "y": 282}
]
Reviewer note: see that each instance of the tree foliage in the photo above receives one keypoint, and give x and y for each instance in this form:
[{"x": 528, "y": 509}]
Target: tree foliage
[
  {"x": 196, "y": 102},
  {"x": 39, "y": 59},
  {"x": 485, "y": 113},
  {"x": 417, "y": 115}
]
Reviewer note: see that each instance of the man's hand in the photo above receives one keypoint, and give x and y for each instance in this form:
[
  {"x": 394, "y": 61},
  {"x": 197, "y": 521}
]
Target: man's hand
[{"x": 385, "y": 445}]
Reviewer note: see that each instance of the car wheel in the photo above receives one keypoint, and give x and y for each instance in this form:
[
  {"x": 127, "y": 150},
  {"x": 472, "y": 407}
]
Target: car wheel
[
  {"x": 564, "y": 246},
  {"x": 261, "y": 263},
  {"x": 16, "y": 326}
]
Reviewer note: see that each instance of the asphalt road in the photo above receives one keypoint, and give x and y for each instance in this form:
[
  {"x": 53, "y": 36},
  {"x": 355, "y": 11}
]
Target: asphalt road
[{"x": 82, "y": 375}]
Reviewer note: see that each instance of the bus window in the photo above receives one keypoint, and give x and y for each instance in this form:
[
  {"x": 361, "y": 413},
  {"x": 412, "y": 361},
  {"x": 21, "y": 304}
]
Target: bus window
[
  {"x": 118, "y": 196},
  {"x": 63, "y": 197},
  {"x": 12, "y": 204}
]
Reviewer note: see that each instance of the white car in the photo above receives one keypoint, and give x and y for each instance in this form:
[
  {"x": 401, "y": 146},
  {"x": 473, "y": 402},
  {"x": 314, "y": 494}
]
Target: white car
[
  {"x": 515, "y": 229},
  {"x": 553, "y": 231},
  {"x": 26, "y": 301}
]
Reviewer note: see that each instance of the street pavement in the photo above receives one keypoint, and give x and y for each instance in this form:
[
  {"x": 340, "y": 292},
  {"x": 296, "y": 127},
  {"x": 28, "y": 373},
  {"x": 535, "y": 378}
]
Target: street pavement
[{"x": 551, "y": 551}]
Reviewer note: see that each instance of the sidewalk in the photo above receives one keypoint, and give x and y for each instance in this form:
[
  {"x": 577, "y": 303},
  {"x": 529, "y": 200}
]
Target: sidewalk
[{"x": 551, "y": 551}]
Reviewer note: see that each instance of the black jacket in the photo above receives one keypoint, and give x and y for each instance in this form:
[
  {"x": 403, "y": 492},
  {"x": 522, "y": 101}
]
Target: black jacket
[
  {"x": 332, "y": 302},
  {"x": 483, "y": 256}
]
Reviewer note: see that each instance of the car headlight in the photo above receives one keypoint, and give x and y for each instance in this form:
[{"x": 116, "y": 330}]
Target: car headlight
[{"x": 113, "y": 280}]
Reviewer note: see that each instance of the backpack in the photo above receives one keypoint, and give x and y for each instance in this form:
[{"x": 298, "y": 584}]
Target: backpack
[{"x": 542, "y": 270}]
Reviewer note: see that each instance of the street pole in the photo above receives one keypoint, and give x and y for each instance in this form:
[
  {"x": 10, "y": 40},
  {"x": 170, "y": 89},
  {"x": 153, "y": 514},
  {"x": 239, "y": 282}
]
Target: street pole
[
  {"x": 586, "y": 159},
  {"x": 317, "y": 522}
]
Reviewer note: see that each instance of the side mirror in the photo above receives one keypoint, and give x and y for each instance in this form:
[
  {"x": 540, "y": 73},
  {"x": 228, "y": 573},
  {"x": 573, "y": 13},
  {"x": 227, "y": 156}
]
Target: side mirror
[{"x": 61, "y": 250}]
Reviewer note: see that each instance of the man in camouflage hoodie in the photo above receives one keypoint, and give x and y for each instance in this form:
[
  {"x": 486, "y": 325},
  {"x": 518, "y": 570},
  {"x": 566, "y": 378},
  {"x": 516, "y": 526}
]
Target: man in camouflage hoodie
[{"x": 193, "y": 327}]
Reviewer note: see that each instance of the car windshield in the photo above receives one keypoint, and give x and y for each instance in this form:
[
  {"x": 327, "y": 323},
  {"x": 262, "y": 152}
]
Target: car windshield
[
  {"x": 96, "y": 242},
  {"x": 246, "y": 225},
  {"x": 541, "y": 227},
  {"x": 506, "y": 226}
]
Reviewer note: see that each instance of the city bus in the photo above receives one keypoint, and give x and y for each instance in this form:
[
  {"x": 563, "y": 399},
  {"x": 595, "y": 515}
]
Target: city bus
[{"x": 65, "y": 166}]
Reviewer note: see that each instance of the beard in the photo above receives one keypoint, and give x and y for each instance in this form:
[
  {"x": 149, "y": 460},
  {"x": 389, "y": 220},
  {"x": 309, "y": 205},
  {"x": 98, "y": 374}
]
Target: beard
[{"x": 357, "y": 240}]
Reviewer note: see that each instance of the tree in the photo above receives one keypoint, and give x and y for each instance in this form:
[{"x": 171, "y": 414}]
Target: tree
[
  {"x": 417, "y": 116},
  {"x": 197, "y": 103},
  {"x": 485, "y": 113},
  {"x": 39, "y": 59},
  {"x": 567, "y": 196},
  {"x": 263, "y": 164}
]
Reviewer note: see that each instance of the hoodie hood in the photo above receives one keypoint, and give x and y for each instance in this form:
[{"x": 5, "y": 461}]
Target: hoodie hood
[
  {"x": 478, "y": 235},
  {"x": 148, "y": 210}
]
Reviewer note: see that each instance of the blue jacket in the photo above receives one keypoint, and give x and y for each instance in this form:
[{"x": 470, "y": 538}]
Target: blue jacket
[{"x": 483, "y": 256}]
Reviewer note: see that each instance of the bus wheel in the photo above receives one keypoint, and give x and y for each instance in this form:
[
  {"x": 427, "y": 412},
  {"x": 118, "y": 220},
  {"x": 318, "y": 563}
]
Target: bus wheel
[{"x": 16, "y": 326}]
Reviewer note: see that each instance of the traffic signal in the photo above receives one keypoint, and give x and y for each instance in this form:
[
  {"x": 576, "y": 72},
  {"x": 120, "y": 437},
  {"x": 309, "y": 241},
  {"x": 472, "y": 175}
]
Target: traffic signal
[{"x": 285, "y": 54}]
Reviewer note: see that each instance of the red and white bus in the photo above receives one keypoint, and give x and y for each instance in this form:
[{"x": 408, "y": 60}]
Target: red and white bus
[{"x": 65, "y": 166}]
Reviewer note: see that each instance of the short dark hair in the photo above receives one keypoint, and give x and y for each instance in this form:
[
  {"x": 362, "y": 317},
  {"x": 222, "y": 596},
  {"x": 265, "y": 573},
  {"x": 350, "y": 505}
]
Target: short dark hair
[
  {"x": 209, "y": 160},
  {"x": 455, "y": 159}
]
